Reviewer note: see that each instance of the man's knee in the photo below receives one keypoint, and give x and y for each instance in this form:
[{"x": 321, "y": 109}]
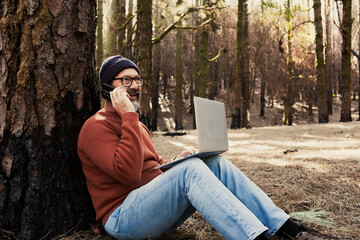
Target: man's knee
[{"x": 217, "y": 160}]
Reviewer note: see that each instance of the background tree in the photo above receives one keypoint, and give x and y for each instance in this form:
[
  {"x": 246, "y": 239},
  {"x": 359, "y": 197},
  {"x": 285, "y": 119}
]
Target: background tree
[
  {"x": 143, "y": 55},
  {"x": 156, "y": 72},
  {"x": 323, "y": 115},
  {"x": 245, "y": 62},
  {"x": 179, "y": 76},
  {"x": 328, "y": 53},
  {"x": 99, "y": 35},
  {"x": 129, "y": 31},
  {"x": 116, "y": 32},
  {"x": 346, "y": 83},
  {"x": 237, "y": 105},
  {"x": 203, "y": 55},
  {"x": 290, "y": 65},
  {"x": 48, "y": 89}
]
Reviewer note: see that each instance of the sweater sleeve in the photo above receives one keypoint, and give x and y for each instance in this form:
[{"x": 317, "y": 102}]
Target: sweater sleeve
[{"x": 120, "y": 155}]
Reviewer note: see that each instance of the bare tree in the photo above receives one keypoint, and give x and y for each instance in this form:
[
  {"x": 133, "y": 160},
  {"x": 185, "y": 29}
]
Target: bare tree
[
  {"x": 143, "y": 55},
  {"x": 323, "y": 115},
  {"x": 346, "y": 62}
]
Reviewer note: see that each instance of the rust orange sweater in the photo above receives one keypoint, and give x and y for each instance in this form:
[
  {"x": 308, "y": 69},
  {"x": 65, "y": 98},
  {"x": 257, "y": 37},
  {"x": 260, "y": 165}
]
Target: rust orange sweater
[{"x": 117, "y": 156}]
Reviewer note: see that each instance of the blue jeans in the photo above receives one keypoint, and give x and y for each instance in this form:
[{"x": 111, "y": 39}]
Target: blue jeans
[{"x": 227, "y": 199}]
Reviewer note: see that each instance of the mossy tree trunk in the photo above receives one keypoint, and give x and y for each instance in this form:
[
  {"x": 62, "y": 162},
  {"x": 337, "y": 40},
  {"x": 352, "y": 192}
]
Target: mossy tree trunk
[
  {"x": 48, "y": 88},
  {"x": 111, "y": 43},
  {"x": 237, "y": 108},
  {"x": 143, "y": 55},
  {"x": 346, "y": 63},
  {"x": 322, "y": 92},
  {"x": 203, "y": 57},
  {"x": 178, "y": 76},
  {"x": 99, "y": 35},
  {"x": 129, "y": 32},
  {"x": 121, "y": 30}
]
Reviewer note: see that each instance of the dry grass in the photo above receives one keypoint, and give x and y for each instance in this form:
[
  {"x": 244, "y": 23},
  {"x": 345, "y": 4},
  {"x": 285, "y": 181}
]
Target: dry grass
[{"x": 320, "y": 171}]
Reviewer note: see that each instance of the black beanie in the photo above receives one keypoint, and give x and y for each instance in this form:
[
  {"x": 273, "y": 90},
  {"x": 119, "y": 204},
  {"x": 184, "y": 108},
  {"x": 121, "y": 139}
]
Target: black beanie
[{"x": 112, "y": 66}]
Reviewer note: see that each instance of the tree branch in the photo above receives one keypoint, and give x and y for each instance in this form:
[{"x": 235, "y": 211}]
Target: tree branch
[
  {"x": 128, "y": 20},
  {"x": 355, "y": 54},
  {"x": 300, "y": 25},
  {"x": 158, "y": 38}
]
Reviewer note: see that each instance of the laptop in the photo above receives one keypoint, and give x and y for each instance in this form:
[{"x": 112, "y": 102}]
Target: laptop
[{"x": 211, "y": 130}]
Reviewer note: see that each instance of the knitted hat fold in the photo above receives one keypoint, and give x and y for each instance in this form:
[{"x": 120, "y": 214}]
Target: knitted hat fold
[{"x": 112, "y": 66}]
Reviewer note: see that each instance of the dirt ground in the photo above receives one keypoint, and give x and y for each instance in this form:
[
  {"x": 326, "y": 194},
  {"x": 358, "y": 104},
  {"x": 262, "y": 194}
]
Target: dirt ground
[
  {"x": 302, "y": 168},
  {"x": 306, "y": 168}
]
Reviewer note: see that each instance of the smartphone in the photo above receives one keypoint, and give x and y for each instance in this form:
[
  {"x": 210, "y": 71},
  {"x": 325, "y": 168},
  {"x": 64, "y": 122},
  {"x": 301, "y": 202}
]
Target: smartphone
[{"x": 105, "y": 90}]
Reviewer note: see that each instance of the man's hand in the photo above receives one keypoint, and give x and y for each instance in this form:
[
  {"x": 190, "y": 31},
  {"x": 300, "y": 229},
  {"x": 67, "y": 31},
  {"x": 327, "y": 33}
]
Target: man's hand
[
  {"x": 120, "y": 101},
  {"x": 184, "y": 153}
]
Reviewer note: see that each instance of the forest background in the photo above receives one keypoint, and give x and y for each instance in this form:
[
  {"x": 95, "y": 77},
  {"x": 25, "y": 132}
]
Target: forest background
[{"x": 271, "y": 62}]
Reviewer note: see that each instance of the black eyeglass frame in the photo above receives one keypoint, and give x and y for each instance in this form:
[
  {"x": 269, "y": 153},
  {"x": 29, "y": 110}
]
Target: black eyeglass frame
[{"x": 133, "y": 79}]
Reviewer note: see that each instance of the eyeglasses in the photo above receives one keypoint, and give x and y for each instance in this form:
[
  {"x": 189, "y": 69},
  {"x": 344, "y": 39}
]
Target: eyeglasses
[{"x": 127, "y": 81}]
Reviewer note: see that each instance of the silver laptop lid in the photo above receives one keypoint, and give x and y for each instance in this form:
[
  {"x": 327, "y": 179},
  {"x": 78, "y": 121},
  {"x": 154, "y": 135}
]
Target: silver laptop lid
[{"x": 211, "y": 125}]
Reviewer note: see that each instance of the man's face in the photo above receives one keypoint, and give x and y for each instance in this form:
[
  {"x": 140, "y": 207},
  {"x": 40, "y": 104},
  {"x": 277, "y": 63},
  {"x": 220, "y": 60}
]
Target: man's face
[{"x": 133, "y": 90}]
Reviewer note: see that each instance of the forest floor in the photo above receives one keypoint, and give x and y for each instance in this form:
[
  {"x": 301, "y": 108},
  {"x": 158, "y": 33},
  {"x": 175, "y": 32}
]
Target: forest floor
[{"x": 311, "y": 171}]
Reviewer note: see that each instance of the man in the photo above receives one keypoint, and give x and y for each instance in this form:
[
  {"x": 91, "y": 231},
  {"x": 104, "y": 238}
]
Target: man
[{"x": 134, "y": 200}]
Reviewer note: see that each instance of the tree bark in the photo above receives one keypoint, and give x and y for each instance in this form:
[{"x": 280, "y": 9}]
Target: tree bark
[
  {"x": 328, "y": 54},
  {"x": 120, "y": 31},
  {"x": 346, "y": 63},
  {"x": 178, "y": 78},
  {"x": 245, "y": 71},
  {"x": 323, "y": 115},
  {"x": 48, "y": 88},
  {"x": 289, "y": 82},
  {"x": 99, "y": 35},
  {"x": 143, "y": 56},
  {"x": 112, "y": 29},
  {"x": 203, "y": 64},
  {"x": 156, "y": 76},
  {"x": 129, "y": 32},
  {"x": 196, "y": 63},
  {"x": 237, "y": 108}
]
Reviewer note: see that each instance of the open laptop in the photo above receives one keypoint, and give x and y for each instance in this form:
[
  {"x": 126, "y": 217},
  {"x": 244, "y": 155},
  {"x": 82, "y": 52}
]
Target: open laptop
[{"x": 211, "y": 130}]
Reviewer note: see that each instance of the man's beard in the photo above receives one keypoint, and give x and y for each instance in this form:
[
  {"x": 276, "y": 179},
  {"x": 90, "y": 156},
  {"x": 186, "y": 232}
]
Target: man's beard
[{"x": 136, "y": 103}]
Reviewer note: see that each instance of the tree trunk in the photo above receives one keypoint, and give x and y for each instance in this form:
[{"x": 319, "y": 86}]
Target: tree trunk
[
  {"x": 112, "y": 29},
  {"x": 237, "y": 108},
  {"x": 359, "y": 74},
  {"x": 245, "y": 71},
  {"x": 120, "y": 31},
  {"x": 322, "y": 92},
  {"x": 99, "y": 35},
  {"x": 196, "y": 63},
  {"x": 346, "y": 63},
  {"x": 328, "y": 54},
  {"x": 289, "y": 88},
  {"x": 203, "y": 64},
  {"x": 143, "y": 55},
  {"x": 129, "y": 32},
  {"x": 156, "y": 76},
  {"x": 178, "y": 77},
  {"x": 48, "y": 88}
]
